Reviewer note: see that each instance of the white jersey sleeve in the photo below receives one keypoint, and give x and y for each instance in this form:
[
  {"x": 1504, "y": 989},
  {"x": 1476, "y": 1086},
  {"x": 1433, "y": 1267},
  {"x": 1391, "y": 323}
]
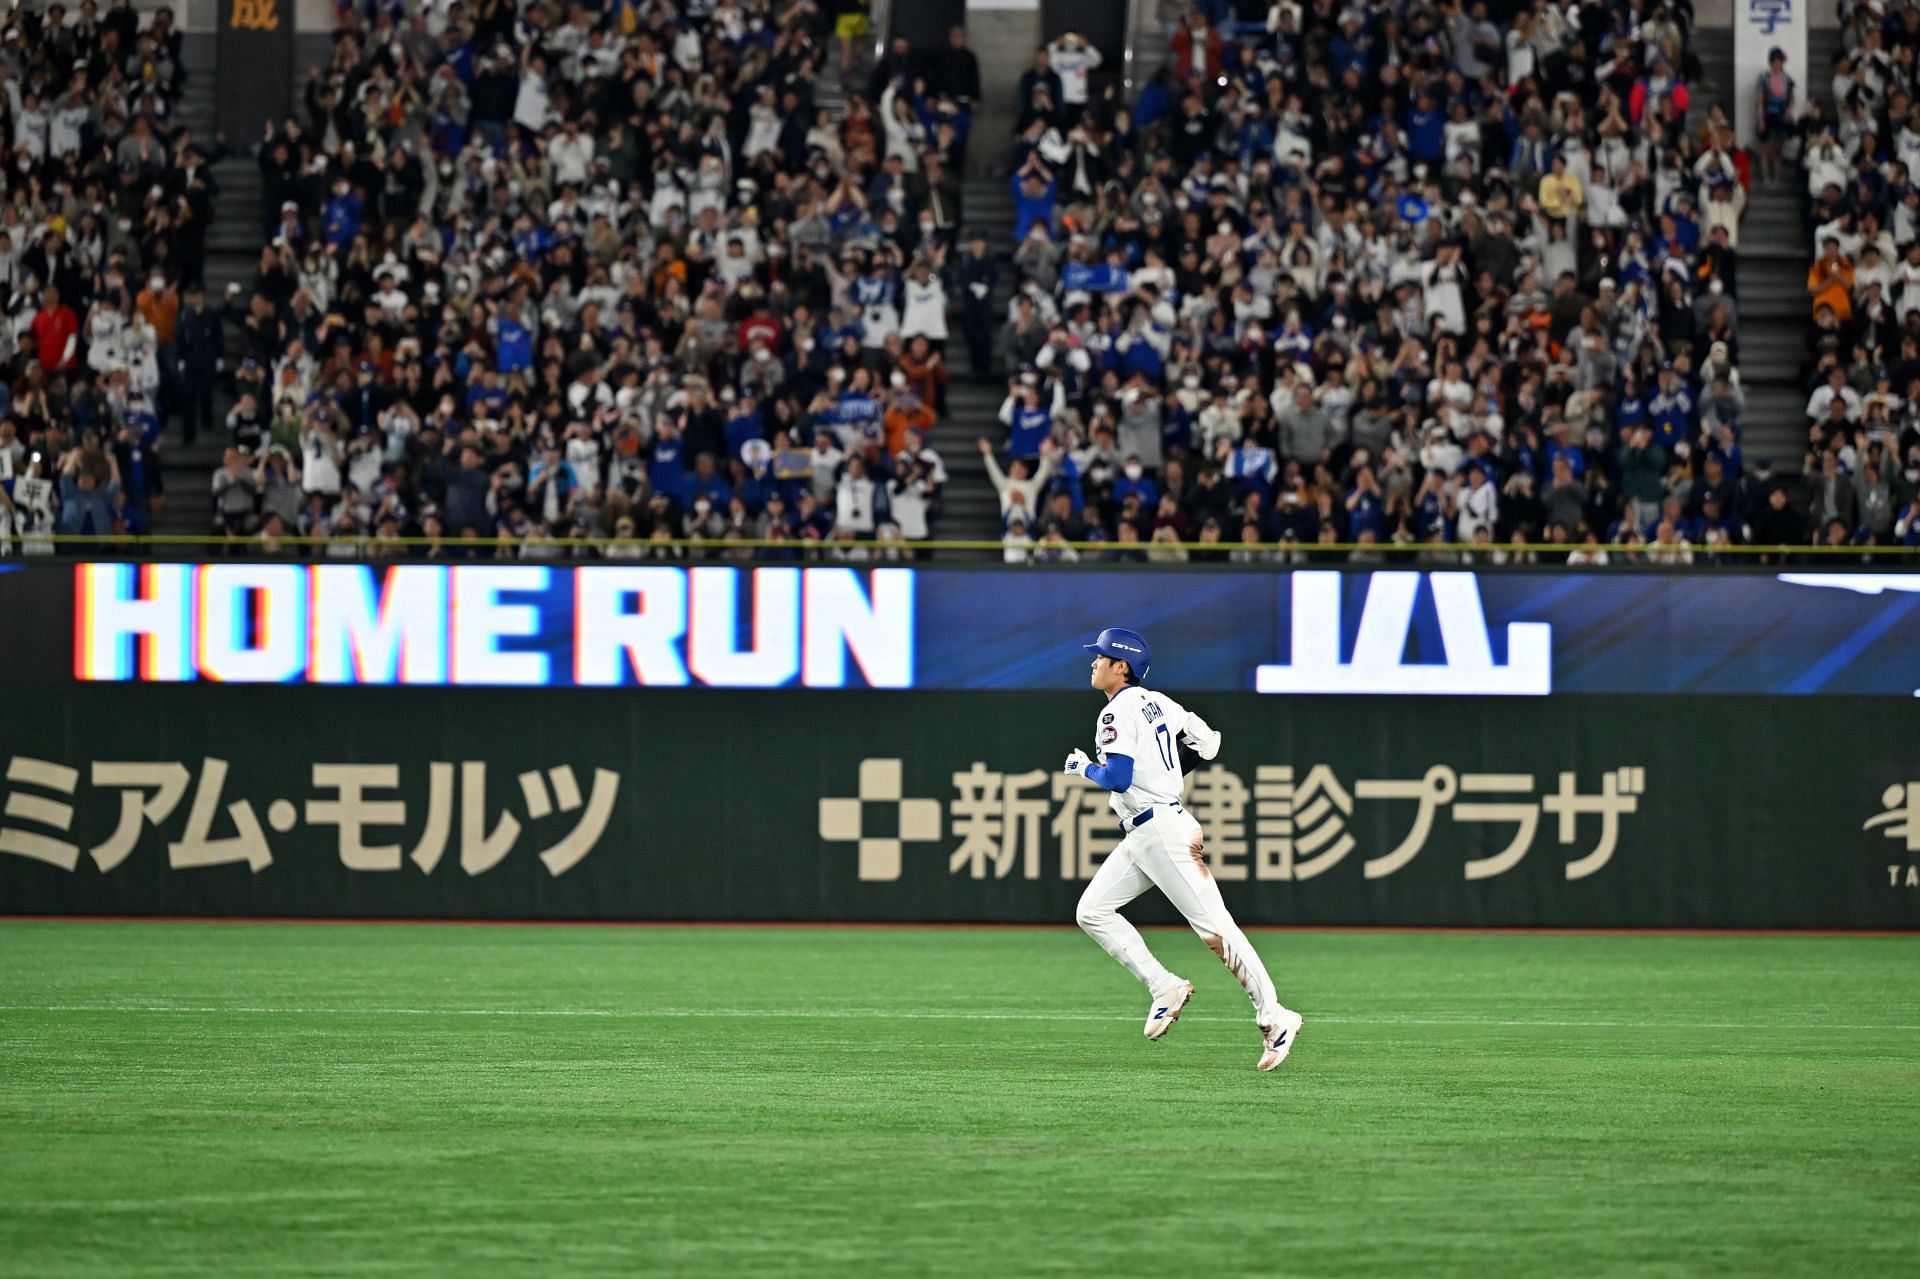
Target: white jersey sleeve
[{"x": 1203, "y": 737}]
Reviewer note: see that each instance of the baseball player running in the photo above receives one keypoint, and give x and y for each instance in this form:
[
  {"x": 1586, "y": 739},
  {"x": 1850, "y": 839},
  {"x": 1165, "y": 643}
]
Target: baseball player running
[{"x": 1163, "y": 845}]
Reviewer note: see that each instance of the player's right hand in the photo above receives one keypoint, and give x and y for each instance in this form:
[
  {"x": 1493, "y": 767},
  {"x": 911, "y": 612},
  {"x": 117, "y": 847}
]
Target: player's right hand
[{"x": 1076, "y": 765}]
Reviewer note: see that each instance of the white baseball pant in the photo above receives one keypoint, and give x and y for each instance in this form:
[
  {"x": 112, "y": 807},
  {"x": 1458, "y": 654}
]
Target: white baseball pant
[{"x": 1156, "y": 854}]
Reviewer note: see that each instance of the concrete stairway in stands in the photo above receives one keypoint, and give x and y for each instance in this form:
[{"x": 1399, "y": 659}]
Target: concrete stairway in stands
[
  {"x": 827, "y": 92},
  {"x": 1775, "y": 251},
  {"x": 234, "y": 242},
  {"x": 1773, "y": 316},
  {"x": 970, "y": 509},
  {"x": 1771, "y": 287},
  {"x": 233, "y": 250}
]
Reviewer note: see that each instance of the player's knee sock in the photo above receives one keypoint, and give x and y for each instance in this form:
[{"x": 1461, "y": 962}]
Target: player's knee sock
[
  {"x": 1123, "y": 941},
  {"x": 1237, "y": 953}
]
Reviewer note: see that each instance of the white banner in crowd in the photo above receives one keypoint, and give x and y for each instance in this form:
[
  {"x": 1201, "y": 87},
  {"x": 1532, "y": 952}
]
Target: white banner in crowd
[{"x": 1759, "y": 27}]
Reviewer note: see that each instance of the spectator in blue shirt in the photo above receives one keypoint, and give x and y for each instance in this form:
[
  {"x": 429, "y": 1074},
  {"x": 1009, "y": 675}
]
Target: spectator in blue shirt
[
  {"x": 530, "y": 241},
  {"x": 1251, "y": 465},
  {"x": 1430, "y": 507},
  {"x": 551, "y": 471},
  {"x": 1366, "y": 506},
  {"x": 855, "y": 408},
  {"x": 1142, "y": 348},
  {"x": 667, "y": 462},
  {"x": 1525, "y": 451},
  {"x": 1133, "y": 479},
  {"x": 1034, "y": 193},
  {"x": 1562, "y": 444},
  {"x": 705, "y": 482},
  {"x": 1348, "y": 49},
  {"x": 343, "y": 213},
  {"x": 1686, "y": 230},
  {"x": 1066, "y": 481},
  {"x": 1096, "y": 277},
  {"x": 744, "y": 423},
  {"x": 1155, "y": 102},
  {"x": 1673, "y": 512},
  {"x": 1716, "y": 514},
  {"x": 1630, "y": 413},
  {"x": 1671, "y": 410},
  {"x": 1907, "y": 527},
  {"x": 1028, "y": 415},
  {"x": 486, "y": 396},
  {"x": 512, "y": 342},
  {"x": 1426, "y": 130}
]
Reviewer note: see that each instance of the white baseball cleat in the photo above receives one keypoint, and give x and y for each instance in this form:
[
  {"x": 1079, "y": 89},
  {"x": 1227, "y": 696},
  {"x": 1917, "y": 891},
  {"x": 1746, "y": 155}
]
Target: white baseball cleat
[
  {"x": 1166, "y": 1009},
  {"x": 1280, "y": 1039}
]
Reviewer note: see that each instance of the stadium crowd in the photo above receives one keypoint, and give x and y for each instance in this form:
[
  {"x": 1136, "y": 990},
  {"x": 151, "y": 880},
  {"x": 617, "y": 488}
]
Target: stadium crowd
[
  {"x": 1387, "y": 276},
  {"x": 604, "y": 272},
  {"x": 104, "y": 208},
  {"x": 1367, "y": 273},
  {"x": 1858, "y": 151}
]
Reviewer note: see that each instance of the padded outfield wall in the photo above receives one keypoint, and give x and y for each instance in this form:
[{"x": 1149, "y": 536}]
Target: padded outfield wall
[{"x": 655, "y": 742}]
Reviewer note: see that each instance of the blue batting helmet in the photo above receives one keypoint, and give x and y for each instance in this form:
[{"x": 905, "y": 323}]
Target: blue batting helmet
[{"x": 1123, "y": 646}]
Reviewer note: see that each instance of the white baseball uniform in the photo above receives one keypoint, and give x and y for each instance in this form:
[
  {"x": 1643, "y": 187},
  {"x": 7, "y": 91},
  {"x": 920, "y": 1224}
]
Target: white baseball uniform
[{"x": 1146, "y": 727}]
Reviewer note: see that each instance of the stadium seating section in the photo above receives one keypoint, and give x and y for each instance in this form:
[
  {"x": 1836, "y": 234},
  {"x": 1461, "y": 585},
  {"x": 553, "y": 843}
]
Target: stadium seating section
[{"x": 533, "y": 278}]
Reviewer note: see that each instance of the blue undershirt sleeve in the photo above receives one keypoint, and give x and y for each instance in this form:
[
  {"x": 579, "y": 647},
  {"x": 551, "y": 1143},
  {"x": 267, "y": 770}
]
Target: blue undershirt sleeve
[{"x": 1116, "y": 774}]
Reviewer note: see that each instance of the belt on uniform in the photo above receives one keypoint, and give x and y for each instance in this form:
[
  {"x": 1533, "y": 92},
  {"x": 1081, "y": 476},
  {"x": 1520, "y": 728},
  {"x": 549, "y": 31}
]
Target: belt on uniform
[{"x": 1141, "y": 819}]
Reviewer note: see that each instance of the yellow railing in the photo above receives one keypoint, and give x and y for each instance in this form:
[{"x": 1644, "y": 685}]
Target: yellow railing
[{"x": 23, "y": 546}]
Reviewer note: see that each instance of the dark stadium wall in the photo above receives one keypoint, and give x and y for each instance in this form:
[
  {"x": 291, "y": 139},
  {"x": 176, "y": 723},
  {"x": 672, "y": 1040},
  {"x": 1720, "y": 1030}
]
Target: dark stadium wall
[
  {"x": 644, "y": 804},
  {"x": 1003, "y": 40},
  {"x": 925, "y": 23},
  {"x": 254, "y": 64}
]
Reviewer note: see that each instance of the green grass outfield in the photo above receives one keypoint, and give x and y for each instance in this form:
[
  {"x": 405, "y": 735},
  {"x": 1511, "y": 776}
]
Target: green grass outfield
[{"x": 227, "y": 1099}]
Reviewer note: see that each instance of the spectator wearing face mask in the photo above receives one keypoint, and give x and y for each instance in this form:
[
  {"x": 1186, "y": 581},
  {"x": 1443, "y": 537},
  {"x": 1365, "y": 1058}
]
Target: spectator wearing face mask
[{"x": 1136, "y": 483}]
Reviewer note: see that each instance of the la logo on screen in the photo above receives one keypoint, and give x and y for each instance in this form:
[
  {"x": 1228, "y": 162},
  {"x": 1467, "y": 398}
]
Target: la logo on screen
[{"x": 1378, "y": 665}]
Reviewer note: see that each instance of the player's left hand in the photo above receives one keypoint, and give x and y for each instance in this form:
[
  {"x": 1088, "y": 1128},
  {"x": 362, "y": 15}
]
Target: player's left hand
[{"x": 1076, "y": 765}]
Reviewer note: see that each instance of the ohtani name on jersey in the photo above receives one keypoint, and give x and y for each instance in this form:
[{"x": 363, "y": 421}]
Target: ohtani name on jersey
[{"x": 501, "y": 624}]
